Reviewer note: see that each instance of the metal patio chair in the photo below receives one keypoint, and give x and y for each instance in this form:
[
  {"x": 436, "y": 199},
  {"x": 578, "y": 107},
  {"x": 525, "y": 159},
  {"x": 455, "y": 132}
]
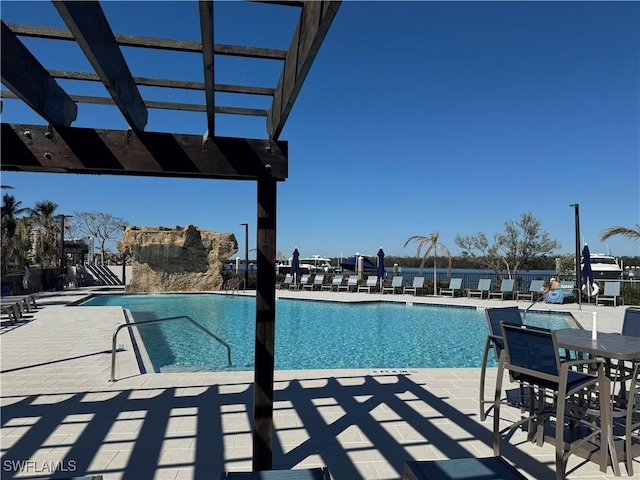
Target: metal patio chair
[
  {"x": 495, "y": 316},
  {"x": 578, "y": 397}
]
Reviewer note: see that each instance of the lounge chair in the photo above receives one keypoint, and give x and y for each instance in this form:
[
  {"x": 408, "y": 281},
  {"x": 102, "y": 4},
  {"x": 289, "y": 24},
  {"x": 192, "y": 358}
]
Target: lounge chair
[
  {"x": 565, "y": 292},
  {"x": 455, "y": 285},
  {"x": 372, "y": 284},
  {"x": 12, "y": 310},
  {"x": 352, "y": 283},
  {"x": 506, "y": 289},
  {"x": 318, "y": 280},
  {"x": 15, "y": 306},
  {"x": 534, "y": 292},
  {"x": 286, "y": 283},
  {"x": 418, "y": 284},
  {"x": 304, "y": 280},
  {"x": 568, "y": 288},
  {"x": 396, "y": 283},
  {"x": 335, "y": 283},
  {"x": 484, "y": 285},
  {"x": 24, "y": 301},
  {"x": 611, "y": 293}
]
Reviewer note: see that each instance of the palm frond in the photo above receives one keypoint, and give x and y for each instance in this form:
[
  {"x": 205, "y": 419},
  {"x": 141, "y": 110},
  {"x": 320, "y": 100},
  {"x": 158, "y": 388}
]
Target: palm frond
[{"x": 629, "y": 233}]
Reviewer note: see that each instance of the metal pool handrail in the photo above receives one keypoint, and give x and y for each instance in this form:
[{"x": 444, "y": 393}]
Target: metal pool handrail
[
  {"x": 234, "y": 286},
  {"x": 157, "y": 320}
]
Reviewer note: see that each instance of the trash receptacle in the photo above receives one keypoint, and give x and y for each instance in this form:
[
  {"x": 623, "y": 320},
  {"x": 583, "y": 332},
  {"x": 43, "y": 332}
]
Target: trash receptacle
[{"x": 59, "y": 283}]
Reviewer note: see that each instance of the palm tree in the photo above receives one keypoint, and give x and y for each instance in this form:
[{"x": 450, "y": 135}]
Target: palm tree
[
  {"x": 11, "y": 207},
  {"x": 10, "y": 211},
  {"x": 48, "y": 233},
  {"x": 432, "y": 245},
  {"x": 629, "y": 233}
]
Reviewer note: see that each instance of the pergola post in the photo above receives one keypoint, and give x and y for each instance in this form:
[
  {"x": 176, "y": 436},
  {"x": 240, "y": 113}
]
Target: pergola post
[{"x": 265, "y": 325}]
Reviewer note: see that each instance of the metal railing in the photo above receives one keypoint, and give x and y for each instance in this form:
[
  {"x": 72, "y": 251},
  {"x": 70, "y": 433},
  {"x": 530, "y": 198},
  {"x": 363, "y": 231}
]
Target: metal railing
[
  {"x": 234, "y": 285},
  {"x": 157, "y": 320}
]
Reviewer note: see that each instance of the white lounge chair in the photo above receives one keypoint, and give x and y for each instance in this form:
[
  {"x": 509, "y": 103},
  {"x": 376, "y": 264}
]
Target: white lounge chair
[
  {"x": 455, "y": 284},
  {"x": 535, "y": 291},
  {"x": 335, "y": 283},
  {"x": 484, "y": 285},
  {"x": 396, "y": 283},
  {"x": 318, "y": 280},
  {"x": 506, "y": 289},
  {"x": 304, "y": 280},
  {"x": 418, "y": 284},
  {"x": 372, "y": 284},
  {"x": 352, "y": 283},
  {"x": 611, "y": 293},
  {"x": 286, "y": 283}
]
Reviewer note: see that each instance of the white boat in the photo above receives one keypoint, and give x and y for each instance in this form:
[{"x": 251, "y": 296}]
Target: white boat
[
  {"x": 605, "y": 267},
  {"x": 314, "y": 264}
]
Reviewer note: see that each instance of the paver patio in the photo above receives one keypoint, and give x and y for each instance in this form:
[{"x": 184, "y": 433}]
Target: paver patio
[{"x": 60, "y": 412}]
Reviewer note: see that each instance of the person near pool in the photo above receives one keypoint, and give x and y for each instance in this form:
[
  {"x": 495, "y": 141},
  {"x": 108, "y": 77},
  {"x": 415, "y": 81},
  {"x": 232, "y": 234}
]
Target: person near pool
[{"x": 554, "y": 287}]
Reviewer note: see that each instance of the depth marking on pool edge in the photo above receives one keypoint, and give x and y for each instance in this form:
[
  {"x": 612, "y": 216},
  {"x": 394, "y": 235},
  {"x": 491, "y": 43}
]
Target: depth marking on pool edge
[{"x": 395, "y": 371}]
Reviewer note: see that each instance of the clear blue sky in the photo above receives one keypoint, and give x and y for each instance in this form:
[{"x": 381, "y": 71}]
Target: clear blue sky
[{"x": 416, "y": 117}]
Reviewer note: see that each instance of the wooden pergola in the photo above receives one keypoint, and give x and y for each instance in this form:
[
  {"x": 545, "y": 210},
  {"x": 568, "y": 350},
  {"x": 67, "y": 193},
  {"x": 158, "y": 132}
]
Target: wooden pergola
[{"x": 57, "y": 146}]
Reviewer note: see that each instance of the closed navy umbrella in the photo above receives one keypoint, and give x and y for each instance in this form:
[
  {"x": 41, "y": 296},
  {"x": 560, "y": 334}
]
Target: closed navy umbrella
[
  {"x": 381, "y": 266},
  {"x": 587, "y": 273},
  {"x": 295, "y": 265},
  {"x": 352, "y": 264}
]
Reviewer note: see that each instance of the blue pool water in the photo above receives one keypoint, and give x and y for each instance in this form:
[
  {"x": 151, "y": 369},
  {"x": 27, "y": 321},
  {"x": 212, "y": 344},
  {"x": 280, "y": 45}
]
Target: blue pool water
[{"x": 312, "y": 334}]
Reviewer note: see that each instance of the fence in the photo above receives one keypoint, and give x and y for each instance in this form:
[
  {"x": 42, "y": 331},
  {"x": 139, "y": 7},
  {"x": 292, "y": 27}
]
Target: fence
[
  {"x": 629, "y": 288},
  {"x": 40, "y": 280}
]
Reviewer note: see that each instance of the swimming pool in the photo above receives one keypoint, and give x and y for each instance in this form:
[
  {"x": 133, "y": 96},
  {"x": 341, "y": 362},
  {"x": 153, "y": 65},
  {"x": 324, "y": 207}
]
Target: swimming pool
[{"x": 312, "y": 334}]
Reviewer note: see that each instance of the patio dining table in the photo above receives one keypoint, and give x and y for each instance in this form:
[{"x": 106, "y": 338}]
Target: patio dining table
[{"x": 614, "y": 349}]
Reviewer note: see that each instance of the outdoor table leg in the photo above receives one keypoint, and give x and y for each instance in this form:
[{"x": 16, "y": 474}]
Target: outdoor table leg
[
  {"x": 607, "y": 391},
  {"x": 608, "y": 417}
]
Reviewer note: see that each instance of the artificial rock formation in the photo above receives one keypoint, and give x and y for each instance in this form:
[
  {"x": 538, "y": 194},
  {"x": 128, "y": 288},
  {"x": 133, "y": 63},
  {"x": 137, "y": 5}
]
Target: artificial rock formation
[{"x": 176, "y": 259}]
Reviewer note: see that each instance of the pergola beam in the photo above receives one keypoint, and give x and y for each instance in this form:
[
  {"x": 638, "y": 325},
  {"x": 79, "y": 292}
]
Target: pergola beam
[
  {"x": 185, "y": 107},
  {"x": 167, "y": 83},
  {"x": 90, "y": 151},
  {"x": 25, "y": 76},
  {"x": 91, "y": 30},
  {"x": 206, "y": 29},
  {"x": 315, "y": 20},
  {"x": 152, "y": 42}
]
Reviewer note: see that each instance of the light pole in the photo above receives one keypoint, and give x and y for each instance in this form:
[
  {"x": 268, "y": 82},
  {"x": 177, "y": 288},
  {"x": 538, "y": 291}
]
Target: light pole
[
  {"x": 576, "y": 208},
  {"x": 62, "y": 259},
  {"x": 124, "y": 261},
  {"x": 246, "y": 254}
]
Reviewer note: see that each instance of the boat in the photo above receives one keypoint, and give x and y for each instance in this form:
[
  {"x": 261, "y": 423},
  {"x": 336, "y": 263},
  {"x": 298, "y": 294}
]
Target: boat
[
  {"x": 604, "y": 267},
  {"x": 313, "y": 264}
]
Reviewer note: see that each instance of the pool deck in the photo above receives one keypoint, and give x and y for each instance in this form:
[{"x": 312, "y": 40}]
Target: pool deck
[{"x": 61, "y": 413}]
